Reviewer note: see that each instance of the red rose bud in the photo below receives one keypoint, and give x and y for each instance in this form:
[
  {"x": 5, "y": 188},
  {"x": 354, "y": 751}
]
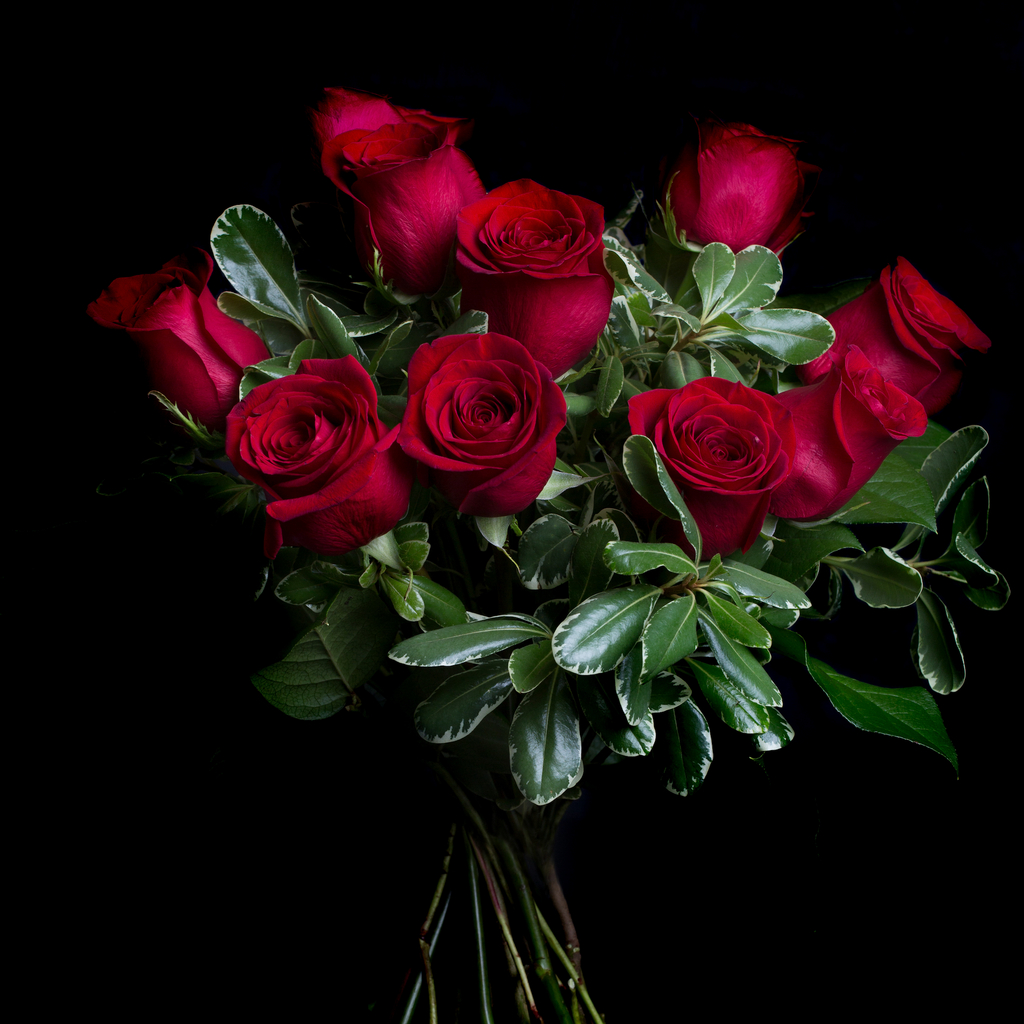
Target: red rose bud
[
  {"x": 407, "y": 180},
  {"x": 909, "y": 332},
  {"x": 194, "y": 353},
  {"x": 727, "y": 448},
  {"x": 482, "y": 417},
  {"x": 313, "y": 442},
  {"x": 532, "y": 259},
  {"x": 846, "y": 424},
  {"x": 738, "y": 186}
]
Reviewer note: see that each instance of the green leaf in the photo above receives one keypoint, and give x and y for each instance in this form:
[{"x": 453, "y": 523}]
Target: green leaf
[
  {"x": 626, "y": 268},
  {"x": 545, "y": 550},
  {"x": 970, "y": 565},
  {"x": 407, "y": 600},
  {"x": 826, "y": 300},
  {"x": 735, "y": 623},
  {"x": 544, "y": 742},
  {"x": 798, "y": 548},
  {"x": 739, "y": 665},
  {"x": 361, "y": 325},
  {"x": 668, "y": 691},
  {"x": 669, "y": 635},
  {"x": 471, "y": 641},
  {"x": 332, "y": 332},
  {"x": 770, "y": 590},
  {"x": 689, "y": 749},
  {"x": 632, "y": 690},
  {"x": 622, "y": 325},
  {"x": 990, "y": 598},
  {"x": 560, "y": 481},
  {"x": 793, "y": 335},
  {"x": 609, "y": 384},
  {"x": 529, "y": 666},
  {"x": 256, "y": 258},
  {"x": 602, "y": 710},
  {"x": 908, "y": 712},
  {"x": 323, "y": 668},
  {"x": 413, "y": 544},
  {"x": 596, "y": 635},
  {"x": 473, "y": 321},
  {"x": 777, "y": 735},
  {"x": 647, "y": 473},
  {"x": 588, "y": 572},
  {"x": 916, "y": 449},
  {"x": 462, "y": 701},
  {"x": 755, "y": 282},
  {"x": 494, "y": 529},
  {"x": 728, "y": 700},
  {"x": 970, "y": 520},
  {"x": 385, "y": 549},
  {"x": 897, "y": 493},
  {"x": 883, "y": 580},
  {"x": 267, "y": 370},
  {"x": 713, "y": 270},
  {"x": 937, "y": 647},
  {"x": 949, "y": 465},
  {"x": 314, "y": 585},
  {"x": 440, "y": 606},
  {"x": 631, "y": 558},
  {"x": 675, "y": 312},
  {"x": 723, "y": 368}
]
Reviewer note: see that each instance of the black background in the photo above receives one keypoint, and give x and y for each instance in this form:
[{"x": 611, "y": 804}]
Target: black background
[{"x": 276, "y": 859}]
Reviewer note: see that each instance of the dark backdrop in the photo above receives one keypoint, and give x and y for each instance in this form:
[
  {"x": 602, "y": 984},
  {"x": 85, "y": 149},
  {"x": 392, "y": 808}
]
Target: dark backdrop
[{"x": 295, "y": 860}]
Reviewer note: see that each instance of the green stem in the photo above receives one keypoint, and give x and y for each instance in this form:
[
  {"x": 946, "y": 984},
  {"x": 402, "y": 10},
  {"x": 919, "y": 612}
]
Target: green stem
[
  {"x": 563, "y": 956},
  {"x": 414, "y": 995},
  {"x": 542, "y": 964},
  {"x": 486, "y": 1014},
  {"x": 425, "y": 927}
]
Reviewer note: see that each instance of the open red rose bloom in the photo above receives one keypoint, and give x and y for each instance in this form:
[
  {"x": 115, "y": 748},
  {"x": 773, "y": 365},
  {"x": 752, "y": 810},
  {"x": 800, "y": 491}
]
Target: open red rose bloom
[
  {"x": 483, "y": 416},
  {"x": 533, "y": 260},
  {"x": 727, "y": 448},
  {"x": 314, "y": 443}
]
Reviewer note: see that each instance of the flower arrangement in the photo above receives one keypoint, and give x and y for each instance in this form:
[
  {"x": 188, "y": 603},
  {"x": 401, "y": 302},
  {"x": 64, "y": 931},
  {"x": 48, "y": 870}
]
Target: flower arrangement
[{"x": 539, "y": 480}]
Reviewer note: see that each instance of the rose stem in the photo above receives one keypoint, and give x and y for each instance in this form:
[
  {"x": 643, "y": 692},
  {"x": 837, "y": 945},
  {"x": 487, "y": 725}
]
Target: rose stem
[
  {"x": 563, "y": 956},
  {"x": 414, "y": 995},
  {"x": 572, "y": 942},
  {"x": 541, "y": 963},
  {"x": 425, "y": 927},
  {"x": 486, "y": 1014}
]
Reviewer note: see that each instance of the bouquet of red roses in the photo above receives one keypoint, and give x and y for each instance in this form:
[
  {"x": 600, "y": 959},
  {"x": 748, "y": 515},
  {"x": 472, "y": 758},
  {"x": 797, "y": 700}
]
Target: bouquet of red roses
[{"x": 559, "y": 495}]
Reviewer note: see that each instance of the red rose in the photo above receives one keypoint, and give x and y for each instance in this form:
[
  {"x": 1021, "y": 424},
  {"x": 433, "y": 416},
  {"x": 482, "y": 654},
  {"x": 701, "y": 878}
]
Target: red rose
[
  {"x": 738, "y": 186},
  {"x": 313, "y": 442},
  {"x": 407, "y": 180},
  {"x": 532, "y": 259},
  {"x": 195, "y": 354},
  {"x": 726, "y": 447},
  {"x": 483, "y": 416},
  {"x": 909, "y": 332},
  {"x": 846, "y": 424}
]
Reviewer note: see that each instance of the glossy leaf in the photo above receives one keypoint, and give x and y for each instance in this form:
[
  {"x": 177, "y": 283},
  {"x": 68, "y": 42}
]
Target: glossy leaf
[
  {"x": 597, "y": 634},
  {"x": 332, "y": 332},
  {"x": 471, "y": 641},
  {"x": 739, "y": 665},
  {"x": 405, "y": 598},
  {"x": 589, "y": 573},
  {"x": 883, "y": 580},
  {"x": 755, "y": 281},
  {"x": 601, "y": 708},
  {"x": 777, "y": 735},
  {"x": 990, "y": 598},
  {"x": 949, "y": 465},
  {"x": 937, "y": 647},
  {"x": 545, "y": 550},
  {"x": 472, "y": 321},
  {"x": 770, "y": 590},
  {"x": 908, "y": 712},
  {"x": 713, "y": 270},
  {"x": 971, "y": 565},
  {"x": 529, "y": 666},
  {"x": 413, "y": 544},
  {"x": 826, "y": 300},
  {"x": 633, "y": 558},
  {"x": 609, "y": 384},
  {"x": 462, "y": 701},
  {"x": 632, "y": 690},
  {"x": 544, "y": 742},
  {"x": 728, "y": 700},
  {"x": 798, "y": 548},
  {"x": 669, "y": 635},
  {"x": 916, "y": 449},
  {"x": 897, "y": 493},
  {"x": 313, "y": 585},
  {"x": 494, "y": 529},
  {"x": 723, "y": 367},
  {"x": 626, "y": 268},
  {"x": 735, "y": 623},
  {"x": 689, "y": 750},
  {"x": 255, "y": 257},
  {"x": 668, "y": 691},
  {"x": 440, "y": 606},
  {"x": 795, "y": 336},
  {"x": 970, "y": 519},
  {"x": 318, "y": 675}
]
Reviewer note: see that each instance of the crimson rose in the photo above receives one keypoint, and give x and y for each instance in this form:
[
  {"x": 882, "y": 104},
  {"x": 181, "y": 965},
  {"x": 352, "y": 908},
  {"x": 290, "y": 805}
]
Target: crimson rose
[
  {"x": 195, "y": 354},
  {"x": 909, "y": 332},
  {"x": 726, "y": 447},
  {"x": 407, "y": 180},
  {"x": 313, "y": 442},
  {"x": 846, "y": 424},
  {"x": 482, "y": 416},
  {"x": 738, "y": 186},
  {"x": 532, "y": 259}
]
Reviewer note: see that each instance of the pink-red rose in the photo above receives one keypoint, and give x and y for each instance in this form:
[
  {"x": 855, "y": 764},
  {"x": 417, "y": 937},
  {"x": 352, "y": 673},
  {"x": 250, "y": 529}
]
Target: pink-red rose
[
  {"x": 727, "y": 448},
  {"x": 738, "y": 186},
  {"x": 194, "y": 353},
  {"x": 334, "y": 474},
  {"x": 909, "y": 332},
  {"x": 407, "y": 179},
  {"x": 482, "y": 417},
  {"x": 532, "y": 259},
  {"x": 846, "y": 424}
]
